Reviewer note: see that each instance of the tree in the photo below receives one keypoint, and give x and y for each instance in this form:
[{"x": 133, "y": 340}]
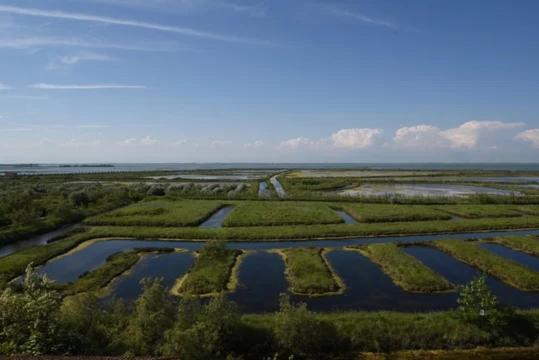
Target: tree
[
  {"x": 201, "y": 332},
  {"x": 79, "y": 199},
  {"x": 300, "y": 333},
  {"x": 477, "y": 304},
  {"x": 29, "y": 320},
  {"x": 153, "y": 315}
]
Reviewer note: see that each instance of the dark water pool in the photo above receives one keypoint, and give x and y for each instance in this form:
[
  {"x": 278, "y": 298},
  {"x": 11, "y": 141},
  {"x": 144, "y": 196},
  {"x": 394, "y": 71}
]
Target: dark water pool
[
  {"x": 167, "y": 266},
  {"x": 517, "y": 256},
  {"x": 217, "y": 219},
  {"x": 460, "y": 273}
]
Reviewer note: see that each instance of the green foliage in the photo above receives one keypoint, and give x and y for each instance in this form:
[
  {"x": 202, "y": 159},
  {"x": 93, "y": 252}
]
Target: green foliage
[
  {"x": 273, "y": 213},
  {"x": 372, "y": 213},
  {"x": 152, "y": 316},
  {"x": 504, "y": 269},
  {"x": 212, "y": 331},
  {"x": 79, "y": 199},
  {"x": 300, "y": 333},
  {"x": 480, "y": 211},
  {"x": 308, "y": 272},
  {"x": 405, "y": 270},
  {"x": 162, "y": 212},
  {"x": 211, "y": 271},
  {"x": 29, "y": 320}
]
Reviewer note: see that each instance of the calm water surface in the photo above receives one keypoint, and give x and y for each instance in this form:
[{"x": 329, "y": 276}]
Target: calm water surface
[
  {"x": 217, "y": 219},
  {"x": 346, "y": 217},
  {"x": 517, "y": 256}
]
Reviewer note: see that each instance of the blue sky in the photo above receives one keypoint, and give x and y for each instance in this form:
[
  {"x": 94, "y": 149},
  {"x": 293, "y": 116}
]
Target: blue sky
[{"x": 268, "y": 81}]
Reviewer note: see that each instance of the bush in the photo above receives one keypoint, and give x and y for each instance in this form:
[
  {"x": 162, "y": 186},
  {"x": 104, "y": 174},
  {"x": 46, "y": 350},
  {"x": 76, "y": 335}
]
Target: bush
[
  {"x": 79, "y": 199},
  {"x": 300, "y": 333},
  {"x": 156, "y": 190}
]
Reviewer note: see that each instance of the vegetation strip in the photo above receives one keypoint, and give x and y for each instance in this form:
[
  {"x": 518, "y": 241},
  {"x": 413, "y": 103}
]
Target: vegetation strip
[
  {"x": 275, "y": 213},
  {"x": 162, "y": 212},
  {"x": 480, "y": 211},
  {"x": 508, "y": 271},
  {"x": 211, "y": 273},
  {"x": 372, "y": 213},
  {"x": 309, "y": 273},
  {"x": 527, "y": 244},
  {"x": 405, "y": 270}
]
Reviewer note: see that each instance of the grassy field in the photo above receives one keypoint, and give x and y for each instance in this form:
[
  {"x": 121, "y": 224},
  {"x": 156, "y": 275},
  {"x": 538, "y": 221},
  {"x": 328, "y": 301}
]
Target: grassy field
[
  {"x": 405, "y": 270},
  {"x": 371, "y": 213},
  {"x": 480, "y": 211},
  {"x": 308, "y": 272},
  {"x": 527, "y": 244},
  {"x": 162, "y": 212},
  {"x": 529, "y": 209},
  {"x": 506, "y": 353},
  {"x": 271, "y": 213},
  {"x": 211, "y": 272},
  {"x": 510, "y": 272}
]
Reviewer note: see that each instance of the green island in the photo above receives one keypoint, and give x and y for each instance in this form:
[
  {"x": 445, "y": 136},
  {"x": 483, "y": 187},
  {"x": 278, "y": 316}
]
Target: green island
[
  {"x": 309, "y": 273},
  {"x": 510, "y": 272},
  {"x": 405, "y": 270}
]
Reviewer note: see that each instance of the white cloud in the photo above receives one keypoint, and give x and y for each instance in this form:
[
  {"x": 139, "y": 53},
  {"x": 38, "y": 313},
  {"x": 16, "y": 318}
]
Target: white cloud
[
  {"x": 56, "y": 14},
  {"x": 356, "y": 16},
  {"x": 355, "y": 138},
  {"x": 4, "y": 87},
  {"x": 35, "y": 42},
  {"x": 75, "y": 59},
  {"x": 531, "y": 136},
  {"x": 145, "y": 141},
  {"x": 255, "y": 144},
  {"x": 43, "y": 86},
  {"x": 148, "y": 140},
  {"x": 129, "y": 141},
  {"x": 469, "y": 135},
  {"x": 298, "y": 142},
  {"x": 219, "y": 143}
]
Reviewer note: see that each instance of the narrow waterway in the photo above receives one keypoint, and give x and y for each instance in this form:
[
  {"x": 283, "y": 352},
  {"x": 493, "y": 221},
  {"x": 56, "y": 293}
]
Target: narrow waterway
[
  {"x": 216, "y": 220},
  {"x": 278, "y": 187}
]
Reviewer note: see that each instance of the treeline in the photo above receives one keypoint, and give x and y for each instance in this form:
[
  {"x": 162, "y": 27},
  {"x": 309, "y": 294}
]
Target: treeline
[
  {"x": 35, "y": 320},
  {"x": 28, "y": 209}
]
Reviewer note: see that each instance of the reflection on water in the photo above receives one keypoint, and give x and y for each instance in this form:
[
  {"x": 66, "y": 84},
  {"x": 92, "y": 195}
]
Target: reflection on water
[
  {"x": 263, "y": 190},
  {"x": 217, "y": 219},
  {"x": 422, "y": 190},
  {"x": 346, "y": 217},
  {"x": 167, "y": 266},
  {"x": 278, "y": 187}
]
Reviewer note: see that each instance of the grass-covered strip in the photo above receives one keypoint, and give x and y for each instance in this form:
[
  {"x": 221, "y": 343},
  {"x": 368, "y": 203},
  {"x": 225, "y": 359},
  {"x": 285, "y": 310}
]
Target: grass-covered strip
[
  {"x": 270, "y": 213},
  {"x": 162, "y": 212},
  {"x": 508, "y": 271},
  {"x": 480, "y": 211},
  {"x": 309, "y": 273},
  {"x": 384, "y": 331},
  {"x": 527, "y": 244},
  {"x": 529, "y": 209},
  {"x": 211, "y": 272},
  {"x": 405, "y": 270},
  {"x": 15, "y": 264},
  {"x": 371, "y": 213},
  {"x": 315, "y": 231}
]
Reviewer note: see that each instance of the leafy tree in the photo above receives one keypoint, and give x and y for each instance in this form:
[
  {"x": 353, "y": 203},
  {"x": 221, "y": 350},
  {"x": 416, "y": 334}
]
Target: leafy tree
[
  {"x": 477, "y": 304},
  {"x": 29, "y": 320},
  {"x": 156, "y": 190},
  {"x": 201, "y": 332},
  {"x": 153, "y": 315},
  {"x": 79, "y": 199},
  {"x": 300, "y": 333}
]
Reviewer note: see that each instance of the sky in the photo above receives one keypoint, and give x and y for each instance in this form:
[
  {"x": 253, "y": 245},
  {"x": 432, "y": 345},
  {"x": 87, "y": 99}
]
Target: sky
[{"x": 269, "y": 81}]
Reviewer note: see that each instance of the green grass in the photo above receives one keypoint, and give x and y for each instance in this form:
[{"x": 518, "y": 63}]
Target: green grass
[
  {"x": 272, "y": 213},
  {"x": 162, "y": 212},
  {"x": 385, "y": 331},
  {"x": 308, "y": 272},
  {"x": 480, "y": 211},
  {"x": 15, "y": 264},
  {"x": 527, "y": 244},
  {"x": 505, "y": 353},
  {"x": 211, "y": 272},
  {"x": 529, "y": 209},
  {"x": 371, "y": 213},
  {"x": 510, "y": 272},
  {"x": 405, "y": 270}
]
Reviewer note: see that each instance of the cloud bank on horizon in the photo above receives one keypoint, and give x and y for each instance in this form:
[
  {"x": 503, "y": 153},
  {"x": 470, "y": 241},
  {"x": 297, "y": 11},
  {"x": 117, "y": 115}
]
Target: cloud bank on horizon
[{"x": 253, "y": 80}]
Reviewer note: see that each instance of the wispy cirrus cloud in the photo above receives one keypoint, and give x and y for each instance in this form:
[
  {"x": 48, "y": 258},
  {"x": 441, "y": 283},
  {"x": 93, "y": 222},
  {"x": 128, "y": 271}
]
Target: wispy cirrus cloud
[
  {"x": 339, "y": 11},
  {"x": 44, "y": 86},
  {"x": 33, "y": 42},
  {"x": 4, "y": 87},
  {"x": 57, "y": 14}
]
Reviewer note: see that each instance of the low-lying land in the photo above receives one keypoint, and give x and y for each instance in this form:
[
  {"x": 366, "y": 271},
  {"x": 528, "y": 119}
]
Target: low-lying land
[
  {"x": 481, "y": 211},
  {"x": 371, "y": 213},
  {"x": 309, "y": 273},
  {"x": 211, "y": 272},
  {"x": 527, "y": 244},
  {"x": 405, "y": 270},
  {"x": 263, "y": 213},
  {"x": 162, "y": 212},
  {"x": 508, "y": 271}
]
